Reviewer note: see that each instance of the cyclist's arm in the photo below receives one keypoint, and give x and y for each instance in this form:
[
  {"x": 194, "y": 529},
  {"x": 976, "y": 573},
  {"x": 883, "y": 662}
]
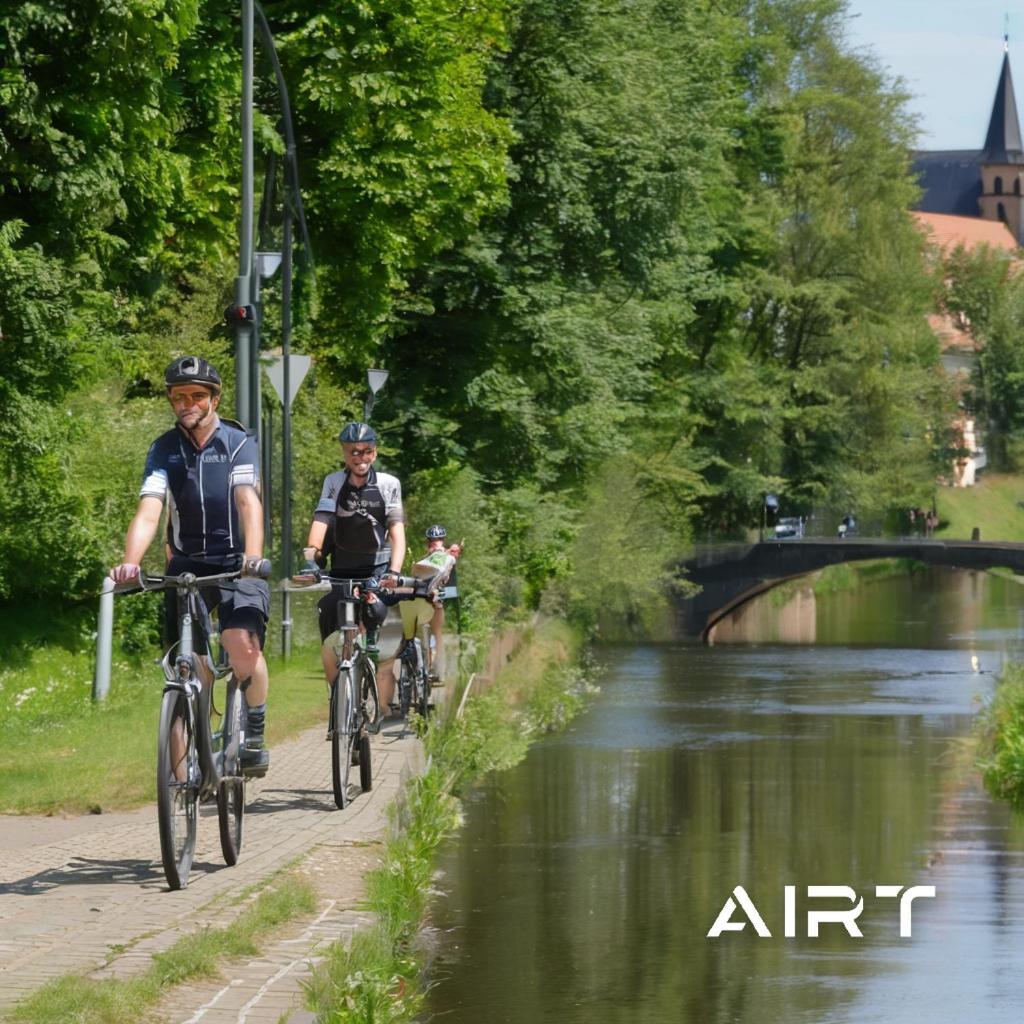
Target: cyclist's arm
[
  {"x": 141, "y": 532},
  {"x": 396, "y": 534},
  {"x": 317, "y": 535},
  {"x": 250, "y": 512}
]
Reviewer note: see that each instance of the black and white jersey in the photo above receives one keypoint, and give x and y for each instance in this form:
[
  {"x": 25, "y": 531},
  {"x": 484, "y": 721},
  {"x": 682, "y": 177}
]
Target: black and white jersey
[
  {"x": 198, "y": 486},
  {"x": 362, "y": 516}
]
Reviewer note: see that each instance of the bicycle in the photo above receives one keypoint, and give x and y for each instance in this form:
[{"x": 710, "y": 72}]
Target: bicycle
[
  {"x": 414, "y": 673},
  {"x": 196, "y": 762},
  {"x": 354, "y": 704}
]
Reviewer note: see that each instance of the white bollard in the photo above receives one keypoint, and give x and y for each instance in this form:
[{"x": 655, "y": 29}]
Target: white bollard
[{"x": 104, "y": 642}]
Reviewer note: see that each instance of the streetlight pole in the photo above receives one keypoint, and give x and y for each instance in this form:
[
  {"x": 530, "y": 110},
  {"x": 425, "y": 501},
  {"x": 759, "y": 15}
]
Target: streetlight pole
[{"x": 245, "y": 331}]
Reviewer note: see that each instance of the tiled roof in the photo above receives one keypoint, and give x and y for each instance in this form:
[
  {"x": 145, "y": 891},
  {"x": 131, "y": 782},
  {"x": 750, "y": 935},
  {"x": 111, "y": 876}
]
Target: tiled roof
[{"x": 948, "y": 231}]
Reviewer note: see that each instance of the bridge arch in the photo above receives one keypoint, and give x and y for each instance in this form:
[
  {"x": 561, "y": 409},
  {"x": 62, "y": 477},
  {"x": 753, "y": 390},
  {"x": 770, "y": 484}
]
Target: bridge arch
[{"x": 729, "y": 575}]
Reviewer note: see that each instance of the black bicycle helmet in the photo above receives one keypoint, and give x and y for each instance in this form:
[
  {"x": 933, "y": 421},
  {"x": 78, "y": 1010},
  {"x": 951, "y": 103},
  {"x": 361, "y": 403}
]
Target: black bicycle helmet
[
  {"x": 192, "y": 370},
  {"x": 436, "y": 532},
  {"x": 354, "y": 433}
]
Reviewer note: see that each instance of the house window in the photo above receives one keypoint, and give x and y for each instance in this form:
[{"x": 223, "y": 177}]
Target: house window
[
  {"x": 998, "y": 187},
  {"x": 1016, "y": 186},
  {"x": 1001, "y": 212}
]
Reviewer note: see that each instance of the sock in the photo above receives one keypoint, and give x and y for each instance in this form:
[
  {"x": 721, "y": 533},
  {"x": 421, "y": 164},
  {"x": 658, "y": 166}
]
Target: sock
[{"x": 257, "y": 718}]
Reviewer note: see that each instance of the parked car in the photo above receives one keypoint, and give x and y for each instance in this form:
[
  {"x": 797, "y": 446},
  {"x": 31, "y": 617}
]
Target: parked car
[{"x": 789, "y": 528}]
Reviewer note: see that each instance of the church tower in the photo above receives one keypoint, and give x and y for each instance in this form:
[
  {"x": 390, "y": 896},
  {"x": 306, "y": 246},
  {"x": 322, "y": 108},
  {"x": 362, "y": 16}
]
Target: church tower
[{"x": 1002, "y": 159}]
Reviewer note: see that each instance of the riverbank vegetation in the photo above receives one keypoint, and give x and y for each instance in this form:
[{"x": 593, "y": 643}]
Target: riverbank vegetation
[{"x": 1001, "y": 732}]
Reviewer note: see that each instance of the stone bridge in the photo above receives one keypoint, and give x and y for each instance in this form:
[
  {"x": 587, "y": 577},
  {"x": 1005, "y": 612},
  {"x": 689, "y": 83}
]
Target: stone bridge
[{"x": 730, "y": 574}]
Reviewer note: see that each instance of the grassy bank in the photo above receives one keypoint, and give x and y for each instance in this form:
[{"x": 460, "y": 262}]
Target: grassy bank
[
  {"x": 991, "y": 506},
  {"x": 379, "y": 978},
  {"x": 63, "y": 754},
  {"x": 1001, "y": 739},
  {"x": 198, "y": 955}
]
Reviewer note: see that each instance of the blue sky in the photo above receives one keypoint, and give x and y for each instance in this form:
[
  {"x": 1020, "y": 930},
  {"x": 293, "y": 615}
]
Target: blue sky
[{"x": 948, "y": 54}]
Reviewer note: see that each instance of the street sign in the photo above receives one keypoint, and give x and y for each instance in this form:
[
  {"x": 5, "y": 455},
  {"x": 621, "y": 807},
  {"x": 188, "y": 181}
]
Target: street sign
[{"x": 298, "y": 367}]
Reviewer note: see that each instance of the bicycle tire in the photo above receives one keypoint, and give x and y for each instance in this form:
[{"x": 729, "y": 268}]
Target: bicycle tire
[
  {"x": 423, "y": 704},
  {"x": 406, "y": 678},
  {"x": 369, "y": 696},
  {"x": 342, "y": 726},
  {"x": 177, "y": 799},
  {"x": 231, "y": 788},
  {"x": 365, "y": 764},
  {"x": 422, "y": 682}
]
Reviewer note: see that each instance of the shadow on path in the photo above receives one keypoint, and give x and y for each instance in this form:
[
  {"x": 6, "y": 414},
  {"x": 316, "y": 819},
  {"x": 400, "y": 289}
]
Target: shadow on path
[{"x": 86, "y": 871}]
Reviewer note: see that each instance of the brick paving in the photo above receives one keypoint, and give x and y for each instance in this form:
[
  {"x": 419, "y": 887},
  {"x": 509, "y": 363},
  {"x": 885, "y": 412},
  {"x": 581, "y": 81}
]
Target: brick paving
[{"x": 88, "y": 894}]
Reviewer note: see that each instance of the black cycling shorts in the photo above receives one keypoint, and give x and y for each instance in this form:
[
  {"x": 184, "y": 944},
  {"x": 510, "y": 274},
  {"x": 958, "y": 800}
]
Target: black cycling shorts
[
  {"x": 373, "y": 614},
  {"x": 241, "y": 604}
]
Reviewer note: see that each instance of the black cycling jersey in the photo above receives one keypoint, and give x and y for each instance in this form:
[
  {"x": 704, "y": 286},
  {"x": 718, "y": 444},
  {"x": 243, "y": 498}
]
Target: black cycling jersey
[
  {"x": 361, "y": 517},
  {"x": 198, "y": 486}
]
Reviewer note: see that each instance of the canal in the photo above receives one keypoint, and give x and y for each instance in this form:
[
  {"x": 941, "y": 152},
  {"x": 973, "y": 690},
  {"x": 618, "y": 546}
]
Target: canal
[{"x": 585, "y": 881}]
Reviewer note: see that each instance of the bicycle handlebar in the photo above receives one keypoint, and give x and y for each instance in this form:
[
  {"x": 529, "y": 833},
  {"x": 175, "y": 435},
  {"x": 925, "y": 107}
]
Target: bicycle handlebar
[
  {"x": 147, "y": 582},
  {"x": 412, "y": 586}
]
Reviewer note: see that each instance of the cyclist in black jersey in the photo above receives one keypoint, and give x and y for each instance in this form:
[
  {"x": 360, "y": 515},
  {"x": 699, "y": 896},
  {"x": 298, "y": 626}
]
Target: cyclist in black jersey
[
  {"x": 205, "y": 471},
  {"x": 361, "y": 510}
]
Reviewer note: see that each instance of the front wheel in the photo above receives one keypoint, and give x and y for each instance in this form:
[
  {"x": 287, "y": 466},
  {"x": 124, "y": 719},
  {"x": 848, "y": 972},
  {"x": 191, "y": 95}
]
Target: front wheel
[
  {"x": 177, "y": 788},
  {"x": 343, "y": 726}
]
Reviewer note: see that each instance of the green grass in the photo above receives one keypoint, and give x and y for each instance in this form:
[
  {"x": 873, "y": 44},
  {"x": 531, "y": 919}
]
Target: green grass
[
  {"x": 63, "y": 754},
  {"x": 991, "y": 506},
  {"x": 1001, "y": 738},
  {"x": 86, "y": 1001},
  {"x": 378, "y": 979}
]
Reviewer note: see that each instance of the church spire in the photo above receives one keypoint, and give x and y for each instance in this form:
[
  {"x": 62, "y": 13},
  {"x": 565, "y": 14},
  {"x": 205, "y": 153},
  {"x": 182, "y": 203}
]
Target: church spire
[{"x": 1003, "y": 142}]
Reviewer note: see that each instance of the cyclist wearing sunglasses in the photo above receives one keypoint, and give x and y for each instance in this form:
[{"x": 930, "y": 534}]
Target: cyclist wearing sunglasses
[{"x": 359, "y": 525}]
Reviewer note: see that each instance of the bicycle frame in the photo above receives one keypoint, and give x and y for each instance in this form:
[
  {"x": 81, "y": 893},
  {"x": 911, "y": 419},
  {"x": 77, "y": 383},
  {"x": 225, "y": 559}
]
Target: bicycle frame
[{"x": 185, "y": 676}]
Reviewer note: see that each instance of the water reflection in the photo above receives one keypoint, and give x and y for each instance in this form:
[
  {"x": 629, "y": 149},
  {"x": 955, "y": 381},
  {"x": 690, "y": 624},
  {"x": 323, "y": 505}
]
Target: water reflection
[{"x": 585, "y": 881}]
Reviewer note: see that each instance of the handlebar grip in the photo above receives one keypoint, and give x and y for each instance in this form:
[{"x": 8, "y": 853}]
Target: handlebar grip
[{"x": 261, "y": 568}]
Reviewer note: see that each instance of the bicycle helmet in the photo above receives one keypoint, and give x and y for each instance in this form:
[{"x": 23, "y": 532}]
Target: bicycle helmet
[
  {"x": 436, "y": 532},
  {"x": 354, "y": 433},
  {"x": 192, "y": 370}
]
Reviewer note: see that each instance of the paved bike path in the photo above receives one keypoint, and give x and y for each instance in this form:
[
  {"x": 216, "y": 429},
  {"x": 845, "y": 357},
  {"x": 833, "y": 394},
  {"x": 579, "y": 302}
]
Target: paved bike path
[{"x": 75, "y": 892}]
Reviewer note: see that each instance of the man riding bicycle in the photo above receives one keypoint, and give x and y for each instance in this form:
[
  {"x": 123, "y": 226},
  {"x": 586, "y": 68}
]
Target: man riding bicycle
[
  {"x": 363, "y": 510},
  {"x": 206, "y": 471}
]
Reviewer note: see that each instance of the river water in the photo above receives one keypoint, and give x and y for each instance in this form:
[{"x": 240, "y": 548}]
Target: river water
[{"x": 586, "y": 880}]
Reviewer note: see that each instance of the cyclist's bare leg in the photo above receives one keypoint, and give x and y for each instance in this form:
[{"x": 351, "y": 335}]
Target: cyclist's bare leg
[
  {"x": 178, "y": 749},
  {"x": 247, "y": 662},
  {"x": 329, "y": 659},
  {"x": 437, "y": 629},
  {"x": 386, "y": 682}
]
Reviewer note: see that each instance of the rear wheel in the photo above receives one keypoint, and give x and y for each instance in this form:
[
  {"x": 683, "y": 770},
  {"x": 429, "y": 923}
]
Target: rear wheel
[
  {"x": 177, "y": 787},
  {"x": 365, "y": 765},
  {"x": 231, "y": 790},
  {"x": 405, "y": 682},
  {"x": 423, "y": 682},
  {"x": 370, "y": 699},
  {"x": 342, "y": 730}
]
